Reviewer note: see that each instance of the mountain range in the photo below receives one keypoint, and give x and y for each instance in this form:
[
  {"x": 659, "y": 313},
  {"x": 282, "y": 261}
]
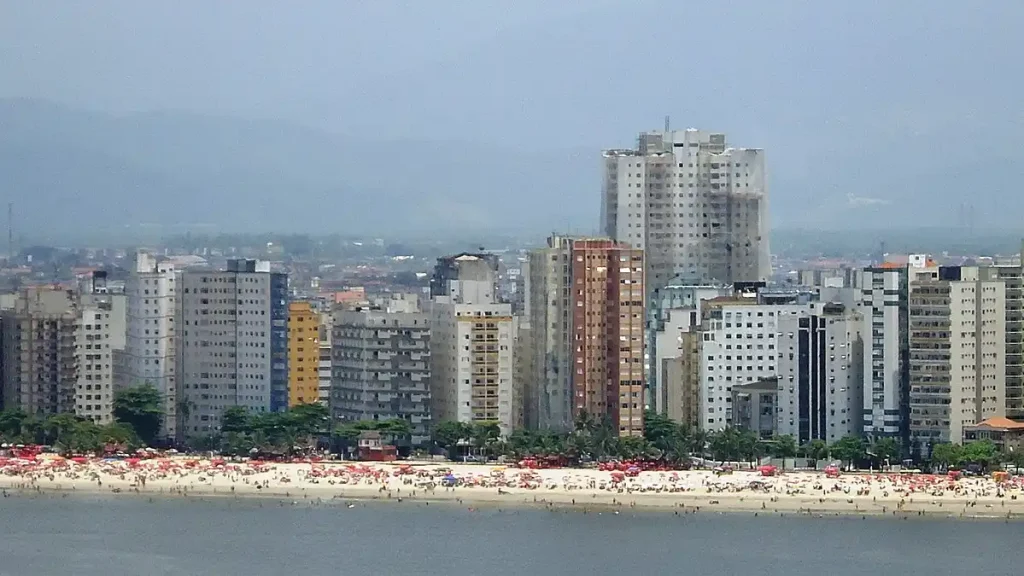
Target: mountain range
[
  {"x": 71, "y": 172},
  {"x": 74, "y": 174}
]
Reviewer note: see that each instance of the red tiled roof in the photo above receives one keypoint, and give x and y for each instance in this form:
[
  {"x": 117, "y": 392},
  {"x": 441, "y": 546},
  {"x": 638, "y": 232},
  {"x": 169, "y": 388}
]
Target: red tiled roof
[{"x": 1000, "y": 422}]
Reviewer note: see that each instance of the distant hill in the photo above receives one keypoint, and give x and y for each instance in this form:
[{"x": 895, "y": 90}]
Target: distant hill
[
  {"x": 74, "y": 174},
  {"x": 71, "y": 172}
]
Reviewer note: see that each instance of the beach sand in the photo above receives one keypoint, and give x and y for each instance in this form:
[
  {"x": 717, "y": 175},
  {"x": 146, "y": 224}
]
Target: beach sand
[{"x": 808, "y": 493}]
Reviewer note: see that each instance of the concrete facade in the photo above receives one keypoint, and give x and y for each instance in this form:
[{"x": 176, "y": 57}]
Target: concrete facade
[
  {"x": 381, "y": 368},
  {"x": 101, "y": 334},
  {"x": 39, "y": 349},
  {"x": 886, "y": 364},
  {"x": 671, "y": 311},
  {"x": 957, "y": 344},
  {"x": 472, "y": 373},
  {"x": 233, "y": 342},
  {"x": 738, "y": 346},
  {"x": 587, "y": 318},
  {"x": 680, "y": 381},
  {"x": 754, "y": 407},
  {"x": 548, "y": 399},
  {"x": 150, "y": 354},
  {"x": 324, "y": 366},
  {"x": 820, "y": 379},
  {"x": 697, "y": 208}
]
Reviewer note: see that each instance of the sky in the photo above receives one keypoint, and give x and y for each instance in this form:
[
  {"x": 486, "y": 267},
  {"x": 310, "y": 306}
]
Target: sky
[{"x": 859, "y": 105}]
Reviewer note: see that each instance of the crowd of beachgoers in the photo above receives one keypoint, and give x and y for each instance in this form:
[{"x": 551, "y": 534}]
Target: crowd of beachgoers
[{"x": 721, "y": 490}]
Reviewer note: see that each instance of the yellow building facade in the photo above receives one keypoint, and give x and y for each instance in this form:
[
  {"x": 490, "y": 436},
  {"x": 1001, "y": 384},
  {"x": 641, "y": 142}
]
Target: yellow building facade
[{"x": 303, "y": 354}]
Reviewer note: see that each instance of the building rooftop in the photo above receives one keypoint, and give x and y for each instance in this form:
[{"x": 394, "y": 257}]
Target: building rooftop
[{"x": 999, "y": 423}]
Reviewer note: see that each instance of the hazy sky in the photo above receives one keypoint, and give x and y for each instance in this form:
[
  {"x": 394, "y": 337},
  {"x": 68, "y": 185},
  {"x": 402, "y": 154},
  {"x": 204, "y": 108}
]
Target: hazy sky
[{"x": 822, "y": 85}]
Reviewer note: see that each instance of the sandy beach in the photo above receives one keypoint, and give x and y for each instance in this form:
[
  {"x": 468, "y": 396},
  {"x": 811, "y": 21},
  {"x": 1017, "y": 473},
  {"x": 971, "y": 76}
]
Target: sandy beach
[{"x": 472, "y": 486}]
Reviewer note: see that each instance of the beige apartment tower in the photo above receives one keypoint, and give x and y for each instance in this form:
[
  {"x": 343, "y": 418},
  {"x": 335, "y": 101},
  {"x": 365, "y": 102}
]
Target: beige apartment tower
[
  {"x": 957, "y": 318},
  {"x": 472, "y": 346},
  {"x": 100, "y": 335}
]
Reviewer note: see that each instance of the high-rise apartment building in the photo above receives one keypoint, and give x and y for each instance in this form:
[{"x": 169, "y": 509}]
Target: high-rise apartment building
[
  {"x": 739, "y": 345},
  {"x": 40, "y": 360},
  {"x": 698, "y": 208},
  {"x": 150, "y": 341},
  {"x": 672, "y": 311},
  {"x": 548, "y": 284},
  {"x": 957, "y": 327},
  {"x": 481, "y": 267},
  {"x": 587, "y": 321},
  {"x": 820, "y": 383},
  {"x": 303, "y": 354},
  {"x": 324, "y": 367},
  {"x": 886, "y": 368},
  {"x": 679, "y": 381},
  {"x": 381, "y": 364},
  {"x": 472, "y": 341},
  {"x": 1012, "y": 276},
  {"x": 232, "y": 342},
  {"x": 101, "y": 333}
]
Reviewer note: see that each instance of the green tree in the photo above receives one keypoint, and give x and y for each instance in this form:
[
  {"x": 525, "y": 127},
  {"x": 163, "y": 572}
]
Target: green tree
[
  {"x": 885, "y": 449},
  {"x": 118, "y": 433},
  {"x": 449, "y": 433},
  {"x": 235, "y": 419},
  {"x": 396, "y": 430},
  {"x": 59, "y": 430},
  {"x": 659, "y": 430},
  {"x": 140, "y": 408},
  {"x": 700, "y": 442},
  {"x": 849, "y": 449},
  {"x": 85, "y": 438},
  {"x": 236, "y": 443},
  {"x": 485, "y": 433},
  {"x": 726, "y": 445},
  {"x": 550, "y": 444},
  {"x": 750, "y": 446},
  {"x": 633, "y": 447},
  {"x": 604, "y": 439},
  {"x": 310, "y": 419},
  {"x": 982, "y": 452},
  {"x": 945, "y": 455},
  {"x": 585, "y": 423},
  {"x": 1015, "y": 457},
  {"x": 350, "y": 431},
  {"x": 521, "y": 442},
  {"x": 816, "y": 449},
  {"x": 11, "y": 422},
  {"x": 783, "y": 446}
]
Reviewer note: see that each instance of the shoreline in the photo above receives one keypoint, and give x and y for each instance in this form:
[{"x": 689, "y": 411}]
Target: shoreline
[{"x": 583, "y": 501}]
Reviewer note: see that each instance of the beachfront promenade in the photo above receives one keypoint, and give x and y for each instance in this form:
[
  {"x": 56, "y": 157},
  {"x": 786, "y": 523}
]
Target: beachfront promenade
[{"x": 793, "y": 492}]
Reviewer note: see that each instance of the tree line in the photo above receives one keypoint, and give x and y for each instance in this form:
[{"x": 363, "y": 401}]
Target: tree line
[
  {"x": 674, "y": 443},
  {"x": 137, "y": 420}
]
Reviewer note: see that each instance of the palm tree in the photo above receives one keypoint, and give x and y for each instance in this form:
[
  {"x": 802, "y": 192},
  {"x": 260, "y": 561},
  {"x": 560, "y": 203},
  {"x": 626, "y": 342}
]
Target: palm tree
[
  {"x": 699, "y": 442},
  {"x": 584, "y": 422},
  {"x": 605, "y": 440},
  {"x": 184, "y": 411}
]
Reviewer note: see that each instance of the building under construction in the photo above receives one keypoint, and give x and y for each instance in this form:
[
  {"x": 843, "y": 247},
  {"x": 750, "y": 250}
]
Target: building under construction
[{"x": 37, "y": 338}]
